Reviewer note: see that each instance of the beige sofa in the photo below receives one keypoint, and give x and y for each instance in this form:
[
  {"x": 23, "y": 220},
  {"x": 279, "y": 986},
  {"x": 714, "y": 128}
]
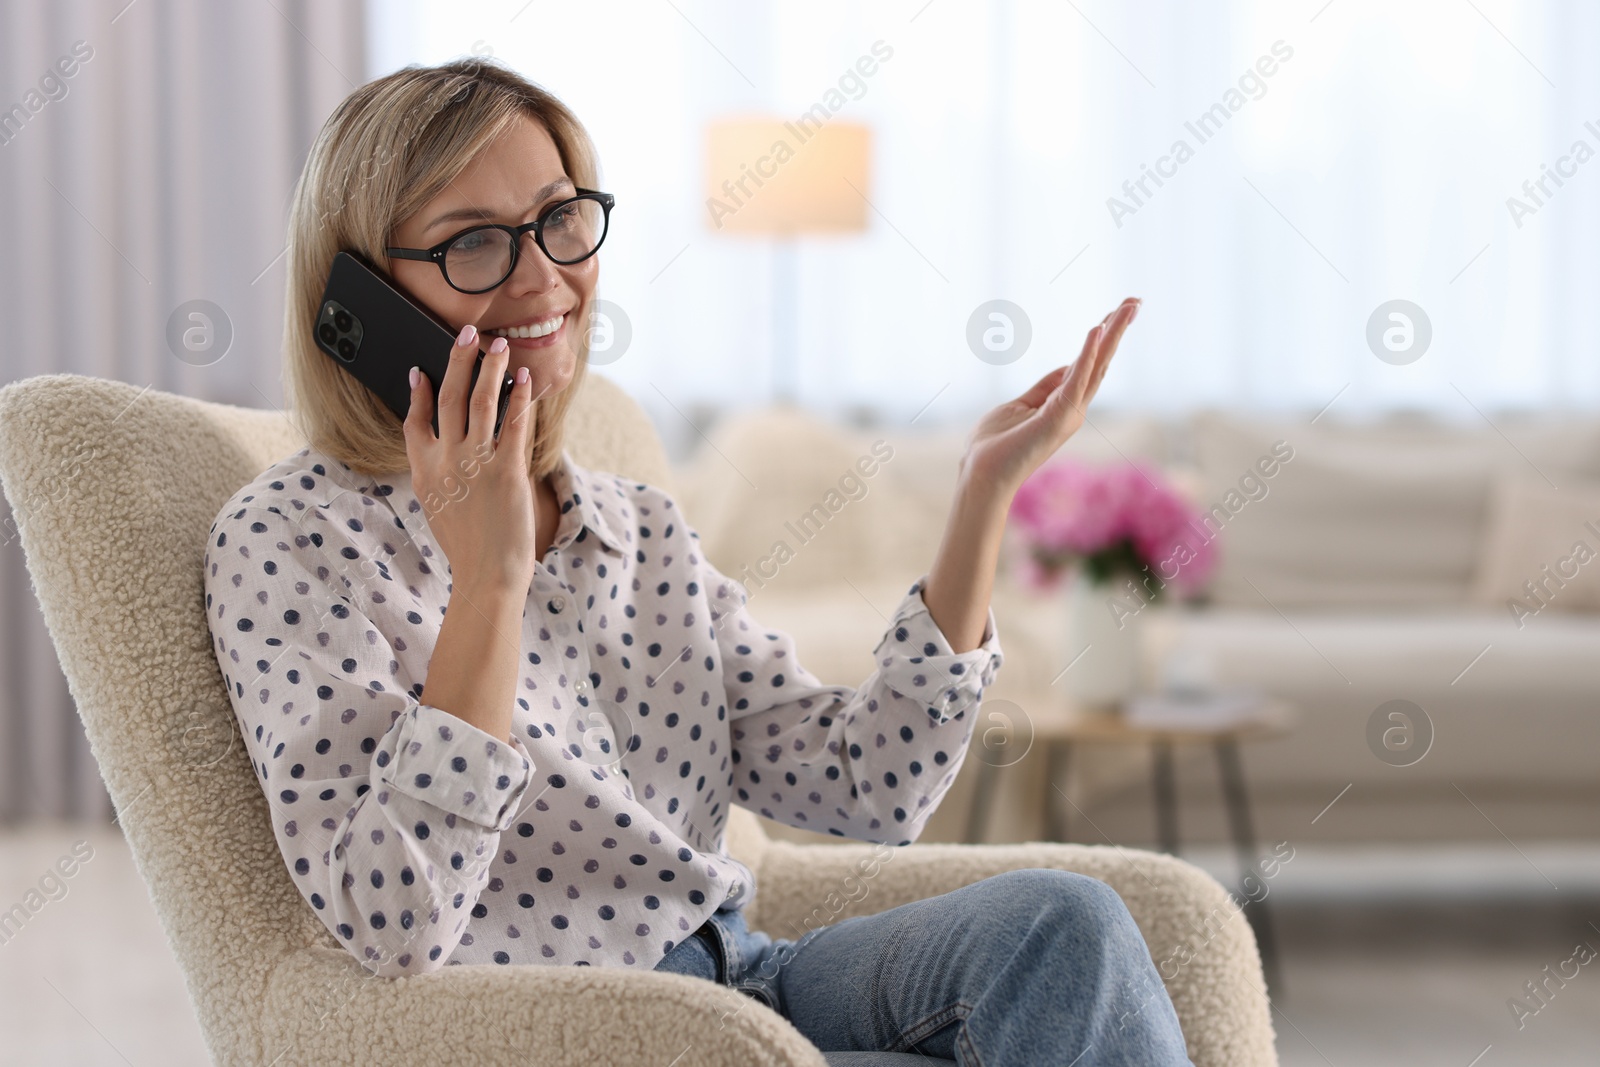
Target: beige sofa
[
  {"x": 114, "y": 545},
  {"x": 1375, "y": 564}
]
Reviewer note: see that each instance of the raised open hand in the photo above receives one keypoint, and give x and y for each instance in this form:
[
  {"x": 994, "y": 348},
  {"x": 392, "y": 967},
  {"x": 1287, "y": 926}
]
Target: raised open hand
[{"x": 1010, "y": 442}]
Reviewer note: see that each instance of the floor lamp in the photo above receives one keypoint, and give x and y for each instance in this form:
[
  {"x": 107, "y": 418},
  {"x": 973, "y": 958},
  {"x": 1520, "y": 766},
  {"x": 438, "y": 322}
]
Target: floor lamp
[{"x": 779, "y": 180}]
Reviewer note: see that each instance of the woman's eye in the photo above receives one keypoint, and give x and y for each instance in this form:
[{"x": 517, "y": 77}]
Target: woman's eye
[{"x": 558, "y": 217}]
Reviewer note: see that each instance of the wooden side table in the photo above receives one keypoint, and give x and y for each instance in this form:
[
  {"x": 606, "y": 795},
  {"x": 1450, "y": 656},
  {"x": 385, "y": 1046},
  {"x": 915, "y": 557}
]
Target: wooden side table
[{"x": 1160, "y": 723}]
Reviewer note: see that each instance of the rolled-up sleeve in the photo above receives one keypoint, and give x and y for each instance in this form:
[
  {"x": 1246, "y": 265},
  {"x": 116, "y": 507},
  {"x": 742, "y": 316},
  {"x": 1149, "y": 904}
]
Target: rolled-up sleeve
[
  {"x": 916, "y": 662},
  {"x": 870, "y": 762},
  {"x": 387, "y": 811},
  {"x": 440, "y": 760}
]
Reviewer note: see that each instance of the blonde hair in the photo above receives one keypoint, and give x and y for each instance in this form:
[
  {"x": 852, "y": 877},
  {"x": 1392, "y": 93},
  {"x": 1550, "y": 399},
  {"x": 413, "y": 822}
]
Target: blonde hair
[{"x": 384, "y": 153}]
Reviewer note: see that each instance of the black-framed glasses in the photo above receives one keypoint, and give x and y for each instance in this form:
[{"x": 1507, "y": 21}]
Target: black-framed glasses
[{"x": 480, "y": 258}]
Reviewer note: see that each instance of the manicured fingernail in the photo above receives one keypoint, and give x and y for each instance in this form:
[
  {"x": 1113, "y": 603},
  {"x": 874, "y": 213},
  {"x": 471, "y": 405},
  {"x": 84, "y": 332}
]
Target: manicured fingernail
[
  {"x": 416, "y": 376},
  {"x": 468, "y": 332},
  {"x": 522, "y": 375},
  {"x": 499, "y": 344}
]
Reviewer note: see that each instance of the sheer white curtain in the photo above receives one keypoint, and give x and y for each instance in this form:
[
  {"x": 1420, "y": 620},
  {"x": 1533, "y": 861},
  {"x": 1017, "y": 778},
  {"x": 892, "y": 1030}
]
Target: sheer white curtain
[{"x": 1373, "y": 163}]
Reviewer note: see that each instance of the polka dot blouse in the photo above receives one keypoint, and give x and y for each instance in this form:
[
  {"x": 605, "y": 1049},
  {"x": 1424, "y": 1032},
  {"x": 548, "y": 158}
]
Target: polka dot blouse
[{"x": 648, "y": 701}]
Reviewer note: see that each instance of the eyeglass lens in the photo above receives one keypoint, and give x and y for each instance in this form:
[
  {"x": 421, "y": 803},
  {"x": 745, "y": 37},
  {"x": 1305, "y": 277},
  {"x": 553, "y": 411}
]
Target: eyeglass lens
[{"x": 482, "y": 258}]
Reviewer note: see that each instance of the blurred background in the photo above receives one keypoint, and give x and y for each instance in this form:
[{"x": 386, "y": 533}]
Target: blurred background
[{"x": 1364, "y": 373}]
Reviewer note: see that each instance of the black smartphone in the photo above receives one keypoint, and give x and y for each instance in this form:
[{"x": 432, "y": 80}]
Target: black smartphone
[{"x": 378, "y": 333}]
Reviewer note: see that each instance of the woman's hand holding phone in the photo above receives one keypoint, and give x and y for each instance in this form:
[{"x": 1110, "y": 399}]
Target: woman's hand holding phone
[{"x": 475, "y": 491}]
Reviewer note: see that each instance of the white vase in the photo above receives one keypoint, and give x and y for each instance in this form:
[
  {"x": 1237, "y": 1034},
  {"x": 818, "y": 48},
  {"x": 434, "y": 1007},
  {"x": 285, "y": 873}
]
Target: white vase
[{"x": 1102, "y": 645}]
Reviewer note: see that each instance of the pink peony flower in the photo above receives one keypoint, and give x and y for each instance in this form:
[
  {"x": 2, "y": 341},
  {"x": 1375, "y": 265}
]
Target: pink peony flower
[{"x": 1121, "y": 517}]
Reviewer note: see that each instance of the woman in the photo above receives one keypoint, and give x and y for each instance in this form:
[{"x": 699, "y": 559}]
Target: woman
[{"x": 597, "y": 694}]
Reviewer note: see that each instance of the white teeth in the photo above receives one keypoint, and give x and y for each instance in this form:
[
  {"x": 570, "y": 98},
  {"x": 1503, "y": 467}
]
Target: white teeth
[{"x": 538, "y": 329}]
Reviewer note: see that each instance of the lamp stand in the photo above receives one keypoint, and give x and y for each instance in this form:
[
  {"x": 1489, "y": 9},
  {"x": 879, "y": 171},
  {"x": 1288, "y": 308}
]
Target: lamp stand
[{"x": 785, "y": 366}]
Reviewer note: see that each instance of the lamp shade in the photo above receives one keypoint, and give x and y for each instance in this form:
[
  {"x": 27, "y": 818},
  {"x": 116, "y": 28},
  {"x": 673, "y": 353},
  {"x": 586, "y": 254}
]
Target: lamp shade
[{"x": 772, "y": 176}]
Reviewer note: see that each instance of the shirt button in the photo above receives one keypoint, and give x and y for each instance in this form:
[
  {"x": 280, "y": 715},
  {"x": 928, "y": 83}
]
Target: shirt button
[
  {"x": 735, "y": 889},
  {"x": 581, "y": 684},
  {"x": 557, "y": 604}
]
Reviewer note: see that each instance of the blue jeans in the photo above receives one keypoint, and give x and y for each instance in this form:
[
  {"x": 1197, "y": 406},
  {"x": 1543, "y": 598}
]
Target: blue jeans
[{"x": 1034, "y": 967}]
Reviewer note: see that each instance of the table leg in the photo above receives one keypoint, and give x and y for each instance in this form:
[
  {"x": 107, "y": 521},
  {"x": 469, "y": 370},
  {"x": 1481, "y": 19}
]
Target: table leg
[
  {"x": 1165, "y": 789},
  {"x": 1244, "y": 840},
  {"x": 982, "y": 802},
  {"x": 1056, "y": 816}
]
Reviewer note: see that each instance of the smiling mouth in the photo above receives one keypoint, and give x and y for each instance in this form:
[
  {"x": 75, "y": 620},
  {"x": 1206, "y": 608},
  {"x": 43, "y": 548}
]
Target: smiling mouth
[{"x": 537, "y": 329}]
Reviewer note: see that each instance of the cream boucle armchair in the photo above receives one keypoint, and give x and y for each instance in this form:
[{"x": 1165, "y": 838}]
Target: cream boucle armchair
[{"x": 114, "y": 490}]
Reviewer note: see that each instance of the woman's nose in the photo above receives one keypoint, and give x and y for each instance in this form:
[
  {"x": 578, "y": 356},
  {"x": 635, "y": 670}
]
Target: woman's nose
[{"x": 533, "y": 266}]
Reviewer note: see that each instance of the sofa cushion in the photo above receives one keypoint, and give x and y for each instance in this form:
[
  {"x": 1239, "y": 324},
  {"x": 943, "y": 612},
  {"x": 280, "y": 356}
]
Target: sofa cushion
[
  {"x": 1544, "y": 535},
  {"x": 1506, "y": 705},
  {"x": 1383, "y": 514}
]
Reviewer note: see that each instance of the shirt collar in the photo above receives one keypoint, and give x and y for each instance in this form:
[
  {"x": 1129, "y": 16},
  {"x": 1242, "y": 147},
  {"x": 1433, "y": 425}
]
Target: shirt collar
[
  {"x": 578, "y": 490},
  {"x": 578, "y": 501}
]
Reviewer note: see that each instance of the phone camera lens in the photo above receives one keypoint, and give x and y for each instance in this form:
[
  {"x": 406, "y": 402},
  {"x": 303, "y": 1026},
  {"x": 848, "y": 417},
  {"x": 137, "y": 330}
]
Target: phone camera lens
[
  {"x": 343, "y": 320},
  {"x": 346, "y": 349},
  {"x": 328, "y": 334}
]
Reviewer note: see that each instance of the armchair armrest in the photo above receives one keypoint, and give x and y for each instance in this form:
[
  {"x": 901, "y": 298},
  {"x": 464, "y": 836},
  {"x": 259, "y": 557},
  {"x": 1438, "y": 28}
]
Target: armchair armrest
[
  {"x": 323, "y": 1008},
  {"x": 1201, "y": 942}
]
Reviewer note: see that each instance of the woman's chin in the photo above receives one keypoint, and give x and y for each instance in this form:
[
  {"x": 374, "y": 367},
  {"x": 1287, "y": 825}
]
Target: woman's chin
[{"x": 552, "y": 372}]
